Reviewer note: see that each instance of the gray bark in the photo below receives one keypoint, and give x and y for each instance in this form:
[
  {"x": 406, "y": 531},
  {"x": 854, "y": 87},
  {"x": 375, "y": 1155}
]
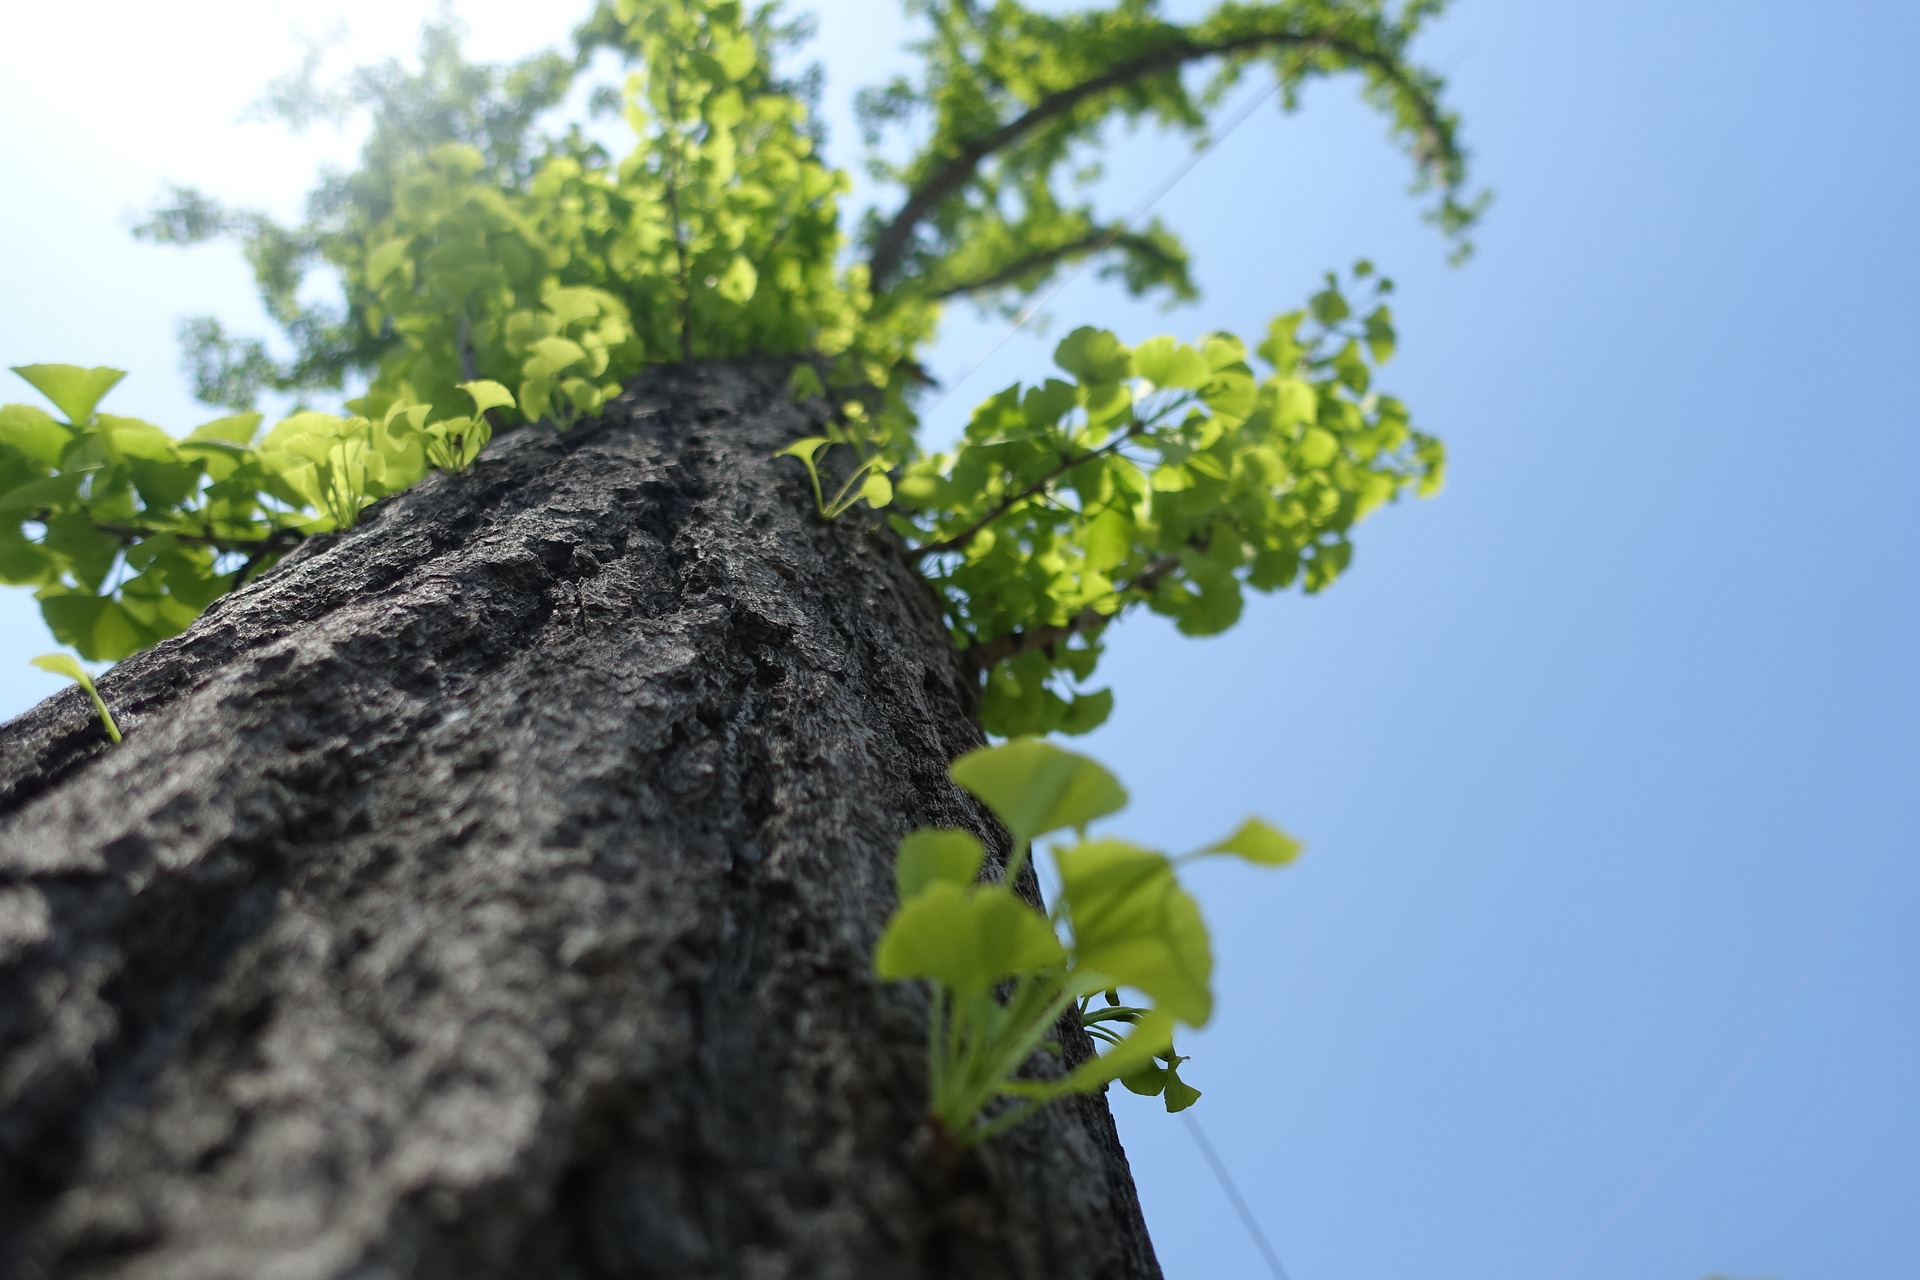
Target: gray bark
[{"x": 491, "y": 890}]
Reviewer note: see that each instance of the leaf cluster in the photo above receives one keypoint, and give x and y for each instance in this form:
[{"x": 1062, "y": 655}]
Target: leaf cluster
[
  {"x": 1166, "y": 476},
  {"x": 1014, "y": 104},
  {"x": 126, "y": 533},
  {"x": 1002, "y": 972},
  {"x": 475, "y": 250}
]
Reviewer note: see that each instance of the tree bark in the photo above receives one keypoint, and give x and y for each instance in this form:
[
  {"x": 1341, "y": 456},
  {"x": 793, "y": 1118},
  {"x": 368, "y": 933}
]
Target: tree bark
[{"x": 491, "y": 890}]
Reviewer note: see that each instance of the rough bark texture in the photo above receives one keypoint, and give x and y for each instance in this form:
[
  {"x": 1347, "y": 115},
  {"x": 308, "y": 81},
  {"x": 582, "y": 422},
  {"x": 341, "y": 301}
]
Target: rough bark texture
[{"x": 490, "y": 891}]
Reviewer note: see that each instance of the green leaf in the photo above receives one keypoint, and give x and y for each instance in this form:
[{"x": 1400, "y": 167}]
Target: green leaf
[
  {"x": 240, "y": 428},
  {"x": 61, "y": 664},
  {"x": 32, "y": 431},
  {"x": 877, "y": 489},
  {"x": 1259, "y": 843},
  {"x": 1168, "y": 363},
  {"x": 804, "y": 383},
  {"x": 385, "y": 260},
  {"x": 1151, "y": 1037},
  {"x": 1295, "y": 401},
  {"x": 1178, "y": 1094},
  {"x": 1232, "y": 396},
  {"x": 1133, "y": 925},
  {"x": 99, "y": 629},
  {"x": 937, "y": 855},
  {"x": 1035, "y": 787},
  {"x": 1094, "y": 356},
  {"x": 1087, "y": 711},
  {"x": 738, "y": 282},
  {"x": 73, "y": 390},
  {"x": 558, "y": 354},
  {"x": 24, "y": 563},
  {"x": 735, "y": 54},
  {"x": 1109, "y": 539},
  {"x": 966, "y": 939},
  {"x": 49, "y": 493},
  {"x": 1317, "y": 447},
  {"x": 1380, "y": 335},
  {"x": 803, "y": 449},
  {"x": 1148, "y": 1081},
  {"x": 487, "y": 394},
  {"x": 1329, "y": 307},
  {"x": 88, "y": 553}
]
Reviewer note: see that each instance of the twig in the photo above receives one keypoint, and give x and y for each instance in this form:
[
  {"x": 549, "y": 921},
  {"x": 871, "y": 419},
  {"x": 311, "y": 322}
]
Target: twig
[{"x": 1012, "y": 500}]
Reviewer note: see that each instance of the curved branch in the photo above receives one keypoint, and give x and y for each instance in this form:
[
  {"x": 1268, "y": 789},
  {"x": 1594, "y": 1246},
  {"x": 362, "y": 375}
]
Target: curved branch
[
  {"x": 890, "y": 246},
  {"x": 1095, "y": 241}
]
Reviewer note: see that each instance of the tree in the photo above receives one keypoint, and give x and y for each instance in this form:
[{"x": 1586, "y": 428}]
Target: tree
[{"x": 489, "y": 877}]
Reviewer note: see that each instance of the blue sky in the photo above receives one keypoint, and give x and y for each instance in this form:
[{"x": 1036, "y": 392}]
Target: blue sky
[{"x": 1602, "y": 961}]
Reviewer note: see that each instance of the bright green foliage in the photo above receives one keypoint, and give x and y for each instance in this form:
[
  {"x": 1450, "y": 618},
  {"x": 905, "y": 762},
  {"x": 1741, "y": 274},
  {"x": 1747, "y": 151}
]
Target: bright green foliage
[
  {"x": 492, "y": 275},
  {"x": 558, "y": 270},
  {"x": 61, "y": 664},
  {"x": 1000, "y": 970},
  {"x": 127, "y": 533},
  {"x": 1016, "y": 100},
  {"x": 1165, "y": 475},
  {"x": 718, "y": 235}
]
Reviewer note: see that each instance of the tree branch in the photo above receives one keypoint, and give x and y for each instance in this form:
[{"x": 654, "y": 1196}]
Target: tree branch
[
  {"x": 1014, "y": 499},
  {"x": 279, "y": 540},
  {"x": 890, "y": 246}
]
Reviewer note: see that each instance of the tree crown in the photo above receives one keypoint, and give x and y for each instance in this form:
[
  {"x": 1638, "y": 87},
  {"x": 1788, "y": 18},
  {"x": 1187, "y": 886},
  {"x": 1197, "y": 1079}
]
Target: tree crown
[{"x": 496, "y": 271}]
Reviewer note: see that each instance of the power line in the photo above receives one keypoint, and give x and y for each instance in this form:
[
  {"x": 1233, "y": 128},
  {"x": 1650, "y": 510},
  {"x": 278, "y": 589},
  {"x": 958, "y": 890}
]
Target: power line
[{"x": 1247, "y": 1219}]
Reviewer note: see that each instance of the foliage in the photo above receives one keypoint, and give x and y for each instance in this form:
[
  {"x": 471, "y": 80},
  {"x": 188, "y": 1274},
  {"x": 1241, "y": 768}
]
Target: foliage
[
  {"x": 493, "y": 273},
  {"x": 1002, "y": 975},
  {"x": 474, "y": 249},
  {"x": 127, "y": 533},
  {"x": 1164, "y": 475},
  {"x": 1016, "y": 101},
  {"x": 61, "y": 664}
]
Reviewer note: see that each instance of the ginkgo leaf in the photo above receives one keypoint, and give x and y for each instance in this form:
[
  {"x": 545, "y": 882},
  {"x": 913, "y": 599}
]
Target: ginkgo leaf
[
  {"x": 73, "y": 390},
  {"x": 936, "y": 855},
  {"x": 239, "y": 428},
  {"x": 803, "y": 449},
  {"x": 487, "y": 394},
  {"x": 1259, "y": 843},
  {"x": 1168, "y": 363},
  {"x": 31, "y": 431},
  {"x": 1134, "y": 926},
  {"x": 61, "y": 664},
  {"x": 1035, "y": 787},
  {"x": 1094, "y": 356},
  {"x": 965, "y": 939}
]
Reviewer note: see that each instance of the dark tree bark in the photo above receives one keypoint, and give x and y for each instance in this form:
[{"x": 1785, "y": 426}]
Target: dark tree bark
[{"x": 491, "y": 890}]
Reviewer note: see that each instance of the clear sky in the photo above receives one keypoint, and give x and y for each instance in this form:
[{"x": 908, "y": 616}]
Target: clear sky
[{"x": 1603, "y": 962}]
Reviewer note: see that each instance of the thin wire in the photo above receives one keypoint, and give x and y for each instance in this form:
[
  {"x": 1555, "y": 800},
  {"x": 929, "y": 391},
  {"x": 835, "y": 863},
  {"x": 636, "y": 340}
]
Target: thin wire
[
  {"x": 1876, "y": 848},
  {"x": 1034, "y": 306},
  {"x": 1247, "y": 1219}
]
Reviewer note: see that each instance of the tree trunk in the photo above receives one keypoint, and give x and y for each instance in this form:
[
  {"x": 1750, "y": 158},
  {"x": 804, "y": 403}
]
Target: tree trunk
[{"x": 491, "y": 891}]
